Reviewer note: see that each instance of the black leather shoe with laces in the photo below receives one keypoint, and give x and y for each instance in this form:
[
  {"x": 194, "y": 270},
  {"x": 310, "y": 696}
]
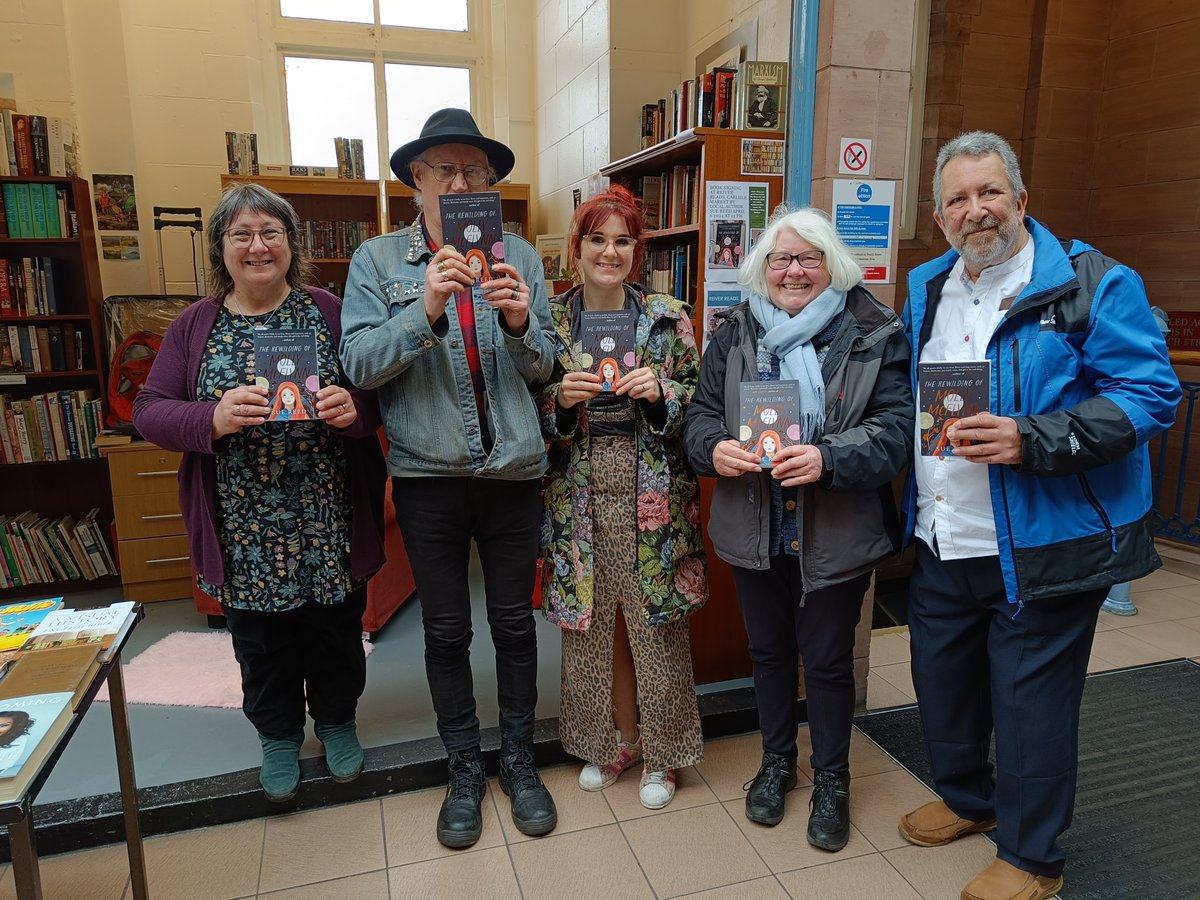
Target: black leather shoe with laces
[
  {"x": 765, "y": 797},
  {"x": 533, "y": 810},
  {"x": 829, "y": 819},
  {"x": 460, "y": 821}
]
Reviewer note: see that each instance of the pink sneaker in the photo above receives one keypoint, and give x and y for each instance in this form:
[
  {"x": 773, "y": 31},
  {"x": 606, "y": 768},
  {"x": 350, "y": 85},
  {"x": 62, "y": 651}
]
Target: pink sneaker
[
  {"x": 657, "y": 788},
  {"x": 597, "y": 778}
]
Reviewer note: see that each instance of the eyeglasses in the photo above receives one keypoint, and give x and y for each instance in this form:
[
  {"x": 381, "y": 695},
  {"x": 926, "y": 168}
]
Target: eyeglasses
[
  {"x": 598, "y": 242},
  {"x": 446, "y": 172},
  {"x": 243, "y": 237},
  {"x": 810, "y": 259}
]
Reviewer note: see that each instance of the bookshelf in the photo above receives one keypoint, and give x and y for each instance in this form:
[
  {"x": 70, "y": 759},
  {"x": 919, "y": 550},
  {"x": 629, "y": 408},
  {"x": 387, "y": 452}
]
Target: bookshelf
[
  {"x": 67, "y": 478},
  {"x": 514, "y": 204},
  {"x": 718, "y": 637}
]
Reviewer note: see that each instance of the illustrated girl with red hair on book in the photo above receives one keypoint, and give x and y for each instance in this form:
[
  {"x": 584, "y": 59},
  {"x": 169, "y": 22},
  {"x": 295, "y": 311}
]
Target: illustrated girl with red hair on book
[{"x": 288, "y": 405}]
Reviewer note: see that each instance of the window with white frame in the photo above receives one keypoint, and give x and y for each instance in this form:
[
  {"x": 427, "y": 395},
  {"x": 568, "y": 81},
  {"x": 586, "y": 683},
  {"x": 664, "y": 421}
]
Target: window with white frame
[{"x": 343, "y": 80}]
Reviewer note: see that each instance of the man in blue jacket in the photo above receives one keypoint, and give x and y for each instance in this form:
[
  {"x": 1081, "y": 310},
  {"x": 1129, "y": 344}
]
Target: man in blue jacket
[{"x": 1042, "y": 504}]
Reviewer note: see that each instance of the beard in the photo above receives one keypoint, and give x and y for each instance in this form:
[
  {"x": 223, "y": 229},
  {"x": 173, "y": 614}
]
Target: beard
[{"x": 990, "y": 249}]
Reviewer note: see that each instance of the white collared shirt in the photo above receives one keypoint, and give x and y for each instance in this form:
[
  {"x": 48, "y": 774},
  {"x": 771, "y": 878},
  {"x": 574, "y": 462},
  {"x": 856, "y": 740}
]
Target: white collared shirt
[{"x": 954, "y": 498}]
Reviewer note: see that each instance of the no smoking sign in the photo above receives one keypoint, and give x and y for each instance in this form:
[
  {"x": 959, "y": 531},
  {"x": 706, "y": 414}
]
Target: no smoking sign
[{"x": 855, "y": 158}]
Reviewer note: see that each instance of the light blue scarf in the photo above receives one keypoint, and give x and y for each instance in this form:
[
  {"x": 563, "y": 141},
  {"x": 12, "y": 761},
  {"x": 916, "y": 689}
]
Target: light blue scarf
[{"x": 790, "y": 339}]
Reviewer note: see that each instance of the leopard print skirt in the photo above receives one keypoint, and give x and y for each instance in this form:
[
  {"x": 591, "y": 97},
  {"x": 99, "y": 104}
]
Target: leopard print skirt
[{"x": 670, "y": 719}]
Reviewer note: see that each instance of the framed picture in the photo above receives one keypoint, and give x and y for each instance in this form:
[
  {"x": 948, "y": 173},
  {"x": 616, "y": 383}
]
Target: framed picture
[{"x": 552, "y": 250}]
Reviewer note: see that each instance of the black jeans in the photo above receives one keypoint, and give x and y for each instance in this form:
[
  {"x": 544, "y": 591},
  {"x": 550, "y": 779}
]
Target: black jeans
[
  {"x": 821, "y": 632},
  {"x": 439, "y": 516},
  {"x": 313, "y": 651}
]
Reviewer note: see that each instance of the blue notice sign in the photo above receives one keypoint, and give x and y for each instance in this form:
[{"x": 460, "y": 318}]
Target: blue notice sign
[
  {"x": 864, "y": 192},
  {"x": 863, "y": 213}
]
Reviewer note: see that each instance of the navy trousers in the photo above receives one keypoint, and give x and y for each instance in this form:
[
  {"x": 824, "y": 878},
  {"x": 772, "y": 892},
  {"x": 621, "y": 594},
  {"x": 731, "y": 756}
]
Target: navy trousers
[
  {"x": 439, "y": 517},
  {"x": 979, "y": 665}
]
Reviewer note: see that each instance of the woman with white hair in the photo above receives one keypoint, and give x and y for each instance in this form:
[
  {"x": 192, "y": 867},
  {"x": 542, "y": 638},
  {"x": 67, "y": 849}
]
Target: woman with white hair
[{"x": 804, "y": 535}]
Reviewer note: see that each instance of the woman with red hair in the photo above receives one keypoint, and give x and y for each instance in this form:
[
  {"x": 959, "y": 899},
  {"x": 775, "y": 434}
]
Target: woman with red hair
[
  {"x": 288, "y": 405},
  {"x": 618, "y": 482}
]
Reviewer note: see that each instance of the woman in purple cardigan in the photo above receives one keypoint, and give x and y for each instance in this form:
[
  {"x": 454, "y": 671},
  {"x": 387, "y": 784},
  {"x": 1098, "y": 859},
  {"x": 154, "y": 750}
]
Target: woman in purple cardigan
[{"x": 284, "y": 519}]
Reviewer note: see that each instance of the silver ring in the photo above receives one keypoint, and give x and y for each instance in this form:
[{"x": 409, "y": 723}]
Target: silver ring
[
  {"x": 344, "y": 408},
  {"x": 237, "y": 409}
]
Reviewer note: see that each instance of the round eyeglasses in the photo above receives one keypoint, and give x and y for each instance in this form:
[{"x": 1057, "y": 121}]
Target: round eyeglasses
[
  {"x": 446, "y": 172},
  {"x": 244, "y": 237},
  {"x": 599, "y": 242}
]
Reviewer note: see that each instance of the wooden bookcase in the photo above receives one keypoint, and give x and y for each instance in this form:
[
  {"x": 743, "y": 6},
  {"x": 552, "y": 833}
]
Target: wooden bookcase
[
  {"x": 719, "y": 646},
  {"x": 514, "y": 203},
  {"x": 69, "y": 486}
]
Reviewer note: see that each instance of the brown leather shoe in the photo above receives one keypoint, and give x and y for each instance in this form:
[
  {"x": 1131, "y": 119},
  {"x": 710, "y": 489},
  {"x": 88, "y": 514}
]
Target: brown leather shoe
[
  {"x": 1002, "y": 881},
  {"x": 935, "y": 824}
]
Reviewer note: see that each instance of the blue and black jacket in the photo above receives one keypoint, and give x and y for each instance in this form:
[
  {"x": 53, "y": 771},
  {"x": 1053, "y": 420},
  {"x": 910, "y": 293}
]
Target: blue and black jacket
[{"x": 1081, "y": 366}]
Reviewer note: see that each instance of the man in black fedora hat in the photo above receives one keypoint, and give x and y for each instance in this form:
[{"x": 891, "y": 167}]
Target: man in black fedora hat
[{"x": 454, "y": 367}]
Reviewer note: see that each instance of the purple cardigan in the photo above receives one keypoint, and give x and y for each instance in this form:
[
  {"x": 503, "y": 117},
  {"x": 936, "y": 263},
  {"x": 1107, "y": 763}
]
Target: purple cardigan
[{"x": 167, "y": 413}]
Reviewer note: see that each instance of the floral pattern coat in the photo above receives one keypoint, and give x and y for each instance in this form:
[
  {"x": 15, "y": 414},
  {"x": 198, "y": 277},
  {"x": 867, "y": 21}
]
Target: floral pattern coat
[{"x": 670, "y": 550}]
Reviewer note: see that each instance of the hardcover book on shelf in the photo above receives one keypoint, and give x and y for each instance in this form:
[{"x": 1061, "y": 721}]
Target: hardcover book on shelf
[
  {"x": 607, "y": 344},
  {"x": 762, "y": 95},
  {"x": 39, "y": 136},
  {"x": 947, "y": 392},
  {"x": 99, "y": 627},
  {"x": 19, "y": 620},
  {"x": 285, "y": 363},
  {"x": 770, "y": 418},
  {"x": 472, "y": 225}
]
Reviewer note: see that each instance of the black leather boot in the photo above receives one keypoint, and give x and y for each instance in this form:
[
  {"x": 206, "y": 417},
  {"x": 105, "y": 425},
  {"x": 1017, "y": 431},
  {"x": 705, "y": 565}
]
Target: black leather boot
[
  {"x": 829, "y": 819},
  {"x": 765, "y": 798},
  {"x": 460, "y": 821},
  {"x": 533, "y": 810}
]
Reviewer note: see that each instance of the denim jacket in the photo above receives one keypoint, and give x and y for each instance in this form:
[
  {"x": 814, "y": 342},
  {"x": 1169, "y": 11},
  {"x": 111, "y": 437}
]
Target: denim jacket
[{"x": 424, "y": 384}]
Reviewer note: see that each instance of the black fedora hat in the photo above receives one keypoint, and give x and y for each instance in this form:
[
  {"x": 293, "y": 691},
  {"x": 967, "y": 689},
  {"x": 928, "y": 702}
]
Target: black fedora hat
[{"x": 451, "y": 126}]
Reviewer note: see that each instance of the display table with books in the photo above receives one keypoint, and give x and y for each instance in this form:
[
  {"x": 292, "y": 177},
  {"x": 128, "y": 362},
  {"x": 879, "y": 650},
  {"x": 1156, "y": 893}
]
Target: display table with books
[{"x": 44, "y": 693}]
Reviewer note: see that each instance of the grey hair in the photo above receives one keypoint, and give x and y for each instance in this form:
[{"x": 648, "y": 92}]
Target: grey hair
[
  {"x": 815, "y": 227},
  {"x": 253, "y": 198},
  {"x": 976, "y": 144}
]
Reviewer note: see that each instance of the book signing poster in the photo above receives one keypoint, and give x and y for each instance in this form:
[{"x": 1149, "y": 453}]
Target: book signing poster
[
  {"x": 862, "y": 215},
  {"x": 737, "y": 215}
]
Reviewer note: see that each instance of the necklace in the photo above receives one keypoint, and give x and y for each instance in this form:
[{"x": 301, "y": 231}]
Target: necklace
[{"x": 257, "y": 326}]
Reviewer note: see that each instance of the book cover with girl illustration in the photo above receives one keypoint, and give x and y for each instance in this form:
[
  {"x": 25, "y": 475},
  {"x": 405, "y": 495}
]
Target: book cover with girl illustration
[
  {"x": 607, "y": 344},
  {"x": 949, "y": 391},
  {"x": 728, "y": 238},
  {"x": 473, "y": 225},
  {"x": 27, "y": 721},
  {"x": 770, "y": 418},
  {"x": 285, "y": 363}
]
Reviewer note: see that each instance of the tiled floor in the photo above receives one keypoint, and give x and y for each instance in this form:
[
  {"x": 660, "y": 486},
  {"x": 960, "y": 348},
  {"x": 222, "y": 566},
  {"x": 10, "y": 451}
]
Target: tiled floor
[{"x": 606, "y": 845}]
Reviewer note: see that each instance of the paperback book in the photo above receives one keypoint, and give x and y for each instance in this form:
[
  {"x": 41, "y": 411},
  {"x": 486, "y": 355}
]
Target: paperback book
[
  {"x": 71, "y": 627},
  {"x": 762, "y": 97},
  {"x": 728, "y": 241},
  {"x": 949, "y": 391},
  {"x": 473, "y": 225},
  {"x": 71, "y": 668},
  {"x": 607, "y": 344},
  {"x": 35, "y": 722},
  {"x": 285, "y": 363},
  {"x": 770, "y": 418},
  {"x": 19, "y": 620}
]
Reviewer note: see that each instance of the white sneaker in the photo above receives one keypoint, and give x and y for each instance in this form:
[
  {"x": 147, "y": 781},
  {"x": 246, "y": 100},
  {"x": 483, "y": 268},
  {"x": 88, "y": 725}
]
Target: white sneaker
[
  {"x": 657, "y": 788},
  {"x": 597, "y": 778}
]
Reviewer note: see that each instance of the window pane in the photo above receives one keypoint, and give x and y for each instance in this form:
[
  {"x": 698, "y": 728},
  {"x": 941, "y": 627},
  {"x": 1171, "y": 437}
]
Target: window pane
[
  {"x": 414, "y": 92},
  {"x": 341, "y": 11},
  {"x": 444, "y": 15},
  {"x": 328, "y": 98}
]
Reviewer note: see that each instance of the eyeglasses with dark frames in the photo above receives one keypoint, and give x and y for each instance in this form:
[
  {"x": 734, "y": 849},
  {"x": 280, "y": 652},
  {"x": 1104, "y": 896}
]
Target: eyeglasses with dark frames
[{"x": 809, "y": 259}]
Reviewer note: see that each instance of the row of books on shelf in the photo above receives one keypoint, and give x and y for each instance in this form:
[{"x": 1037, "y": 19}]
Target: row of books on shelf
[
  {"x": 350, "y": 160},
  {"x": 50, "y": 427},
  {"x": 36, "y": 210},
  {"x": 29, "y": 286},
  {"x": 41, "y": 348},
  {"x": 39, "y": 550},
  {"x": 515, "y": 227},
  {"x": 750, "y": 97},
  {"x": 43, "y": 682},
  {"x": 241, "y": 152},
  {"x": 670, "y": 271},
  {"x": 324, "y": 239},
  {"x": 38, "y": 145},
  {"x": 671, "y": 198}
]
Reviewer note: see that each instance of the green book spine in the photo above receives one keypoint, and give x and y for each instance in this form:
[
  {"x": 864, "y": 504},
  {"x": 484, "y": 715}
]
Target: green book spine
[
  {"x": 10, "y": 211},
  {"x": 24, "y": 211},
  {"x": 37, "y": 206},
  {"x": 50, "y": 202}
]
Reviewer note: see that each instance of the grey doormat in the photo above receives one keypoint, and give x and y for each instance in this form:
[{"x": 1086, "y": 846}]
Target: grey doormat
[{"x": 1136, "y": 832}]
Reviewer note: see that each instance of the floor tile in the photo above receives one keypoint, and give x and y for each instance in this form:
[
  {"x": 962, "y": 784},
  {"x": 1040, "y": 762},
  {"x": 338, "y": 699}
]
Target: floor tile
[
  {"x": 938, "y": 872},
  {"x": 410, "y": 826},
  {"x": 850, "y": 879},
  {"x": 368, "y": 886},
  {"x": 899, "y": 675},
  {"x": 100, "y": 874},
  {"x": 577, "y": 864},
  {"x": 889, "y": 649},
  {"x": 865, "y": 756},
  {"x": 577, "y": 808},
  {"x": 731, "y": 762},
  {"x": 758, "y": 889},
  {"x": 878, "y": 801},
  {"x": 206, "y": 864},
  {"x": 1176, "y": 638},
  {"x": 1157, "y": 606},
  {"x": 1159, "y": 580},
  {"x": 1096, "y": 664},
  {"x": 482, "y": 875},
  {"x": 717, "y": 852},
  {"x": 785, "y": 846},
  {"x": 690, "y": 790},
  {"x": 881, "y": 693},
  {"x": 1122, "y": 649},
  {"x": 350, "y": 838}
]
